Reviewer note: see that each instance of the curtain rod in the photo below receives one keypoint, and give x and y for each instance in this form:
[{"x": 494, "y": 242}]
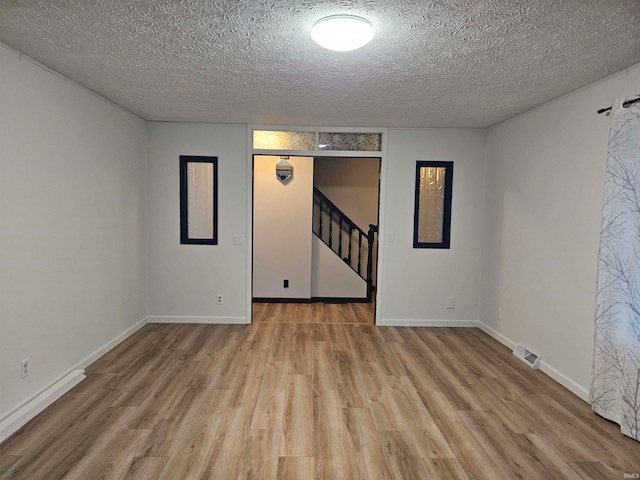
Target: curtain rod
[{"x": 624, "y": 105}]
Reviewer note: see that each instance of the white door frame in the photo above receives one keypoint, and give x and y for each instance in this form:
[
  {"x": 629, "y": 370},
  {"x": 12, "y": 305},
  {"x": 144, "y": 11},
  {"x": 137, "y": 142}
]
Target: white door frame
[{"x": 382, "y": 154}]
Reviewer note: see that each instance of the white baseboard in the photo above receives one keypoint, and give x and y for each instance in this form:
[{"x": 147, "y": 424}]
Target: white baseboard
[
  {"x": 545, "y": 367},
  {"x": 210, "y": 320},
  {"x": 565, "y": 381},
  {"x": 88, "y": 360},
  {"x": 507, "y": 342},
  {"x": 394, "y": 322},
  {"x": 19, "y": 417},
  {"x": 559, "y": 377},
  {"x": 12, "y": 423}
]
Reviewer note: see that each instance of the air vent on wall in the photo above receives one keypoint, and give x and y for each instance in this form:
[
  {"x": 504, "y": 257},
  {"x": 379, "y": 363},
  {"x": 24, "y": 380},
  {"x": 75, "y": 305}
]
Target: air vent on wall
[{"x": 527, "y": 356}]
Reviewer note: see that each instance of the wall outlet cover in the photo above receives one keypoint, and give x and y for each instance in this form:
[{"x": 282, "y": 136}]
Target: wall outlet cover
[{"x": 238, "y": 239}]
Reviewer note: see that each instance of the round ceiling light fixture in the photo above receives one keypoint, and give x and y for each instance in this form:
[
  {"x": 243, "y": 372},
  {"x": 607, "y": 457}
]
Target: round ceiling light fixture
[{"x": 342, "y": 33}]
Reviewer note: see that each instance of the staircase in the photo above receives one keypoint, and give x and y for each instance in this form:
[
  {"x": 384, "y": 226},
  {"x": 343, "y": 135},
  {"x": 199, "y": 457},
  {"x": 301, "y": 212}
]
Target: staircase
[{"x": 345, "y": 238}]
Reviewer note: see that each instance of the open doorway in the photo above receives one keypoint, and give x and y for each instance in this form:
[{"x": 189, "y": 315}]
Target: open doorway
[{"x": 312, "y": 261}]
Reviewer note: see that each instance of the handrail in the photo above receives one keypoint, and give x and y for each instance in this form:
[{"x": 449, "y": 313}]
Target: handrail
[
  {"x": 336, "y": 209},
  {"x": 348, "y": 226}
]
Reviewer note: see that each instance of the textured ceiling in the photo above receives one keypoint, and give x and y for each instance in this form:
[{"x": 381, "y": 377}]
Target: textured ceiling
[{"x": 441, "y": 63}]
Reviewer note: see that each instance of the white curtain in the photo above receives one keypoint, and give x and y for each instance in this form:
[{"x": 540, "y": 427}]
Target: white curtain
[{"x": 615, "y": 388}]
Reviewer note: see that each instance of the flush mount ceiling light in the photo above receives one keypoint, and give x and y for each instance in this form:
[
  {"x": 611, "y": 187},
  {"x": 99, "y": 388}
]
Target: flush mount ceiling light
[{"x": 342, "y": 33}]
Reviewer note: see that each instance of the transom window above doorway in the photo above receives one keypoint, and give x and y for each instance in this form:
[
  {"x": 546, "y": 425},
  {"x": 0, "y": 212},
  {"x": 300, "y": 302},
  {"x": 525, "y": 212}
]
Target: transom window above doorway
[{"x": 310, "y": 141}]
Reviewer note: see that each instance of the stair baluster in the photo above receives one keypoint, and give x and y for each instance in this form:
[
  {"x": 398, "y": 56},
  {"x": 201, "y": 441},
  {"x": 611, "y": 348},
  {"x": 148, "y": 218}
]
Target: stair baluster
[
  {"x": 320, "y": 219},
  {"x": 344, "y": 226},
  {"x": 360, "y": 253},
  {"x": 330, "y": 227},
  {"x": 340, "y": 239}
]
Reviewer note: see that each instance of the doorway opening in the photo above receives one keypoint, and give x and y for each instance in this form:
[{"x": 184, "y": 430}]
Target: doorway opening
[{"x": 315, "y": 252}]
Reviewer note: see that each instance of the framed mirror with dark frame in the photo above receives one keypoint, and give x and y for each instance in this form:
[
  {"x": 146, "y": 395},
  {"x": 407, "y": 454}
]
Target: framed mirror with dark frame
[
  {"x": 198, "y": 200},
  {"x": 432, "y": 211}
]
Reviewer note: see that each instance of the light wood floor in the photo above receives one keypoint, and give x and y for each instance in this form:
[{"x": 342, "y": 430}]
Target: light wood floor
[
  {"x": 318, "y": 312},
  {"x": 316, "y": 401}
]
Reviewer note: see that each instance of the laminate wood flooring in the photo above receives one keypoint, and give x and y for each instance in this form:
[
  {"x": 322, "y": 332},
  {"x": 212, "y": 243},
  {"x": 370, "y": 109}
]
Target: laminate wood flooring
[
  {"x": 316, "y": 401},
  {"x": 316, "y": 312}
]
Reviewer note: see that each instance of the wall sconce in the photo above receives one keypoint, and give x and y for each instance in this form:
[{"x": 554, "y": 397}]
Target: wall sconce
[{"x": 284, "y": 170}]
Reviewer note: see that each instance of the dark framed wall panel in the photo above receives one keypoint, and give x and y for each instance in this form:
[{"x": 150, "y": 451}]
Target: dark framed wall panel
[
  {"x": 432, "y": 210},
  {"x": 198, "y": 200}
]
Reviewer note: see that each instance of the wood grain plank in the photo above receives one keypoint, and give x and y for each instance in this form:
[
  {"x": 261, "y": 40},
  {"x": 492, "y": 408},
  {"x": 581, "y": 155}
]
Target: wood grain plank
[
  {"x": 366, "y": 446},
  {"x": 324, "y": 375},
  {"x": 514, "y": 453},
  {"x": 8, "y": 461},
  {"x": 166, "y": 431},
  {"x": 269, "y": 409},
  {"x": 331, "y": 458},
  {"x": 298, "y": 438},
  {"x": 163, "y": 396},
  {"x": 598, "y": 471},
  {"x": 444, "y": 469},
  {"x": 616, "y": 458},
  {"x": 54, "y": 460},
  {"x": 226, "y": 455},
  {"x": 350, "y": 386},
  {"x": 384, "y": 410},
  {"x": 317, "y": 400},
  {"x": 473, "y": 458},
  {"x": 414, "y": 368},
  {"x": 384, "y": 355},
  {"x": 421, "y": 427},
  {"x": 248, "y": 379},
  {"x": 359, "y": 346},
  {"x": 338, "y": 338},
  {"x": 263, "y": 338},
  {"x": 261, "y": 455},
  {"x": 404, "y": 459},
  {"x": 64, "y": 414},
  {"x": 114, "y": 458},
  {"x": 301, "y": 352},
  {"x": 142, "y": 468},
  {"x": 134, "y": 386},
  {"x": 295, "y": 468},
  {"x": 190, "y": 454}
]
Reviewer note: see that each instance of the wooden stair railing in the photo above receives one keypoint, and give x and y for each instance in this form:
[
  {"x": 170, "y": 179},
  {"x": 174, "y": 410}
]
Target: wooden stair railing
[{"x": 332, "y": 225}]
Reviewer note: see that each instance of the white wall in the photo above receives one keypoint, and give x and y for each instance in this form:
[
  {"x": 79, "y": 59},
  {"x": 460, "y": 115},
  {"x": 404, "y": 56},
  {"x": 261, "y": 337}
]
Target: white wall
[
  {"x": 282, "y": 218},
  {"x": 544, "y": 202},
  {"x": 331, "y": 277},
  {"x": 72, "y": 241},
  {"x": 352, "y": 185},
  {"x": 416, "y": 282},
  {"x": 184, "y": 279}
]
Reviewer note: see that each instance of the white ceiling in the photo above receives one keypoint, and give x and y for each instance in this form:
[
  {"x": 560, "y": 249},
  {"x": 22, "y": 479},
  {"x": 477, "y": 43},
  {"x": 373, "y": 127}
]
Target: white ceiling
[{"x": 440, "y": 63}]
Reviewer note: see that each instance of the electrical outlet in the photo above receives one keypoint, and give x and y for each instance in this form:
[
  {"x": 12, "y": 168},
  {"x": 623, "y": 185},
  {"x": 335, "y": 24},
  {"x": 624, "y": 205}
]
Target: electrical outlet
[
  {"x": 499, "y": 314},
  {"x": 24, "y": 368},
  {"x": 286, "y": 284},
  {"x": 449, "y": 303},
  {"x": 238, "y": 239},
  {"x": 219, "y": 299}
]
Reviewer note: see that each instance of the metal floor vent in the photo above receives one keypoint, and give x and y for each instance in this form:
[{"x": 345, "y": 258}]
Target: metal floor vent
[{"x": 527, "y": 356}]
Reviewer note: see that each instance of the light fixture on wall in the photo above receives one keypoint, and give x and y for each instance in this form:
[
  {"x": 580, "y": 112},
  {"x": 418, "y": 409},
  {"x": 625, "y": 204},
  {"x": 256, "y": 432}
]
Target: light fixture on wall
[
  {"x": 342, "y": 33},
  {"x": 284, "y": 170}
]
